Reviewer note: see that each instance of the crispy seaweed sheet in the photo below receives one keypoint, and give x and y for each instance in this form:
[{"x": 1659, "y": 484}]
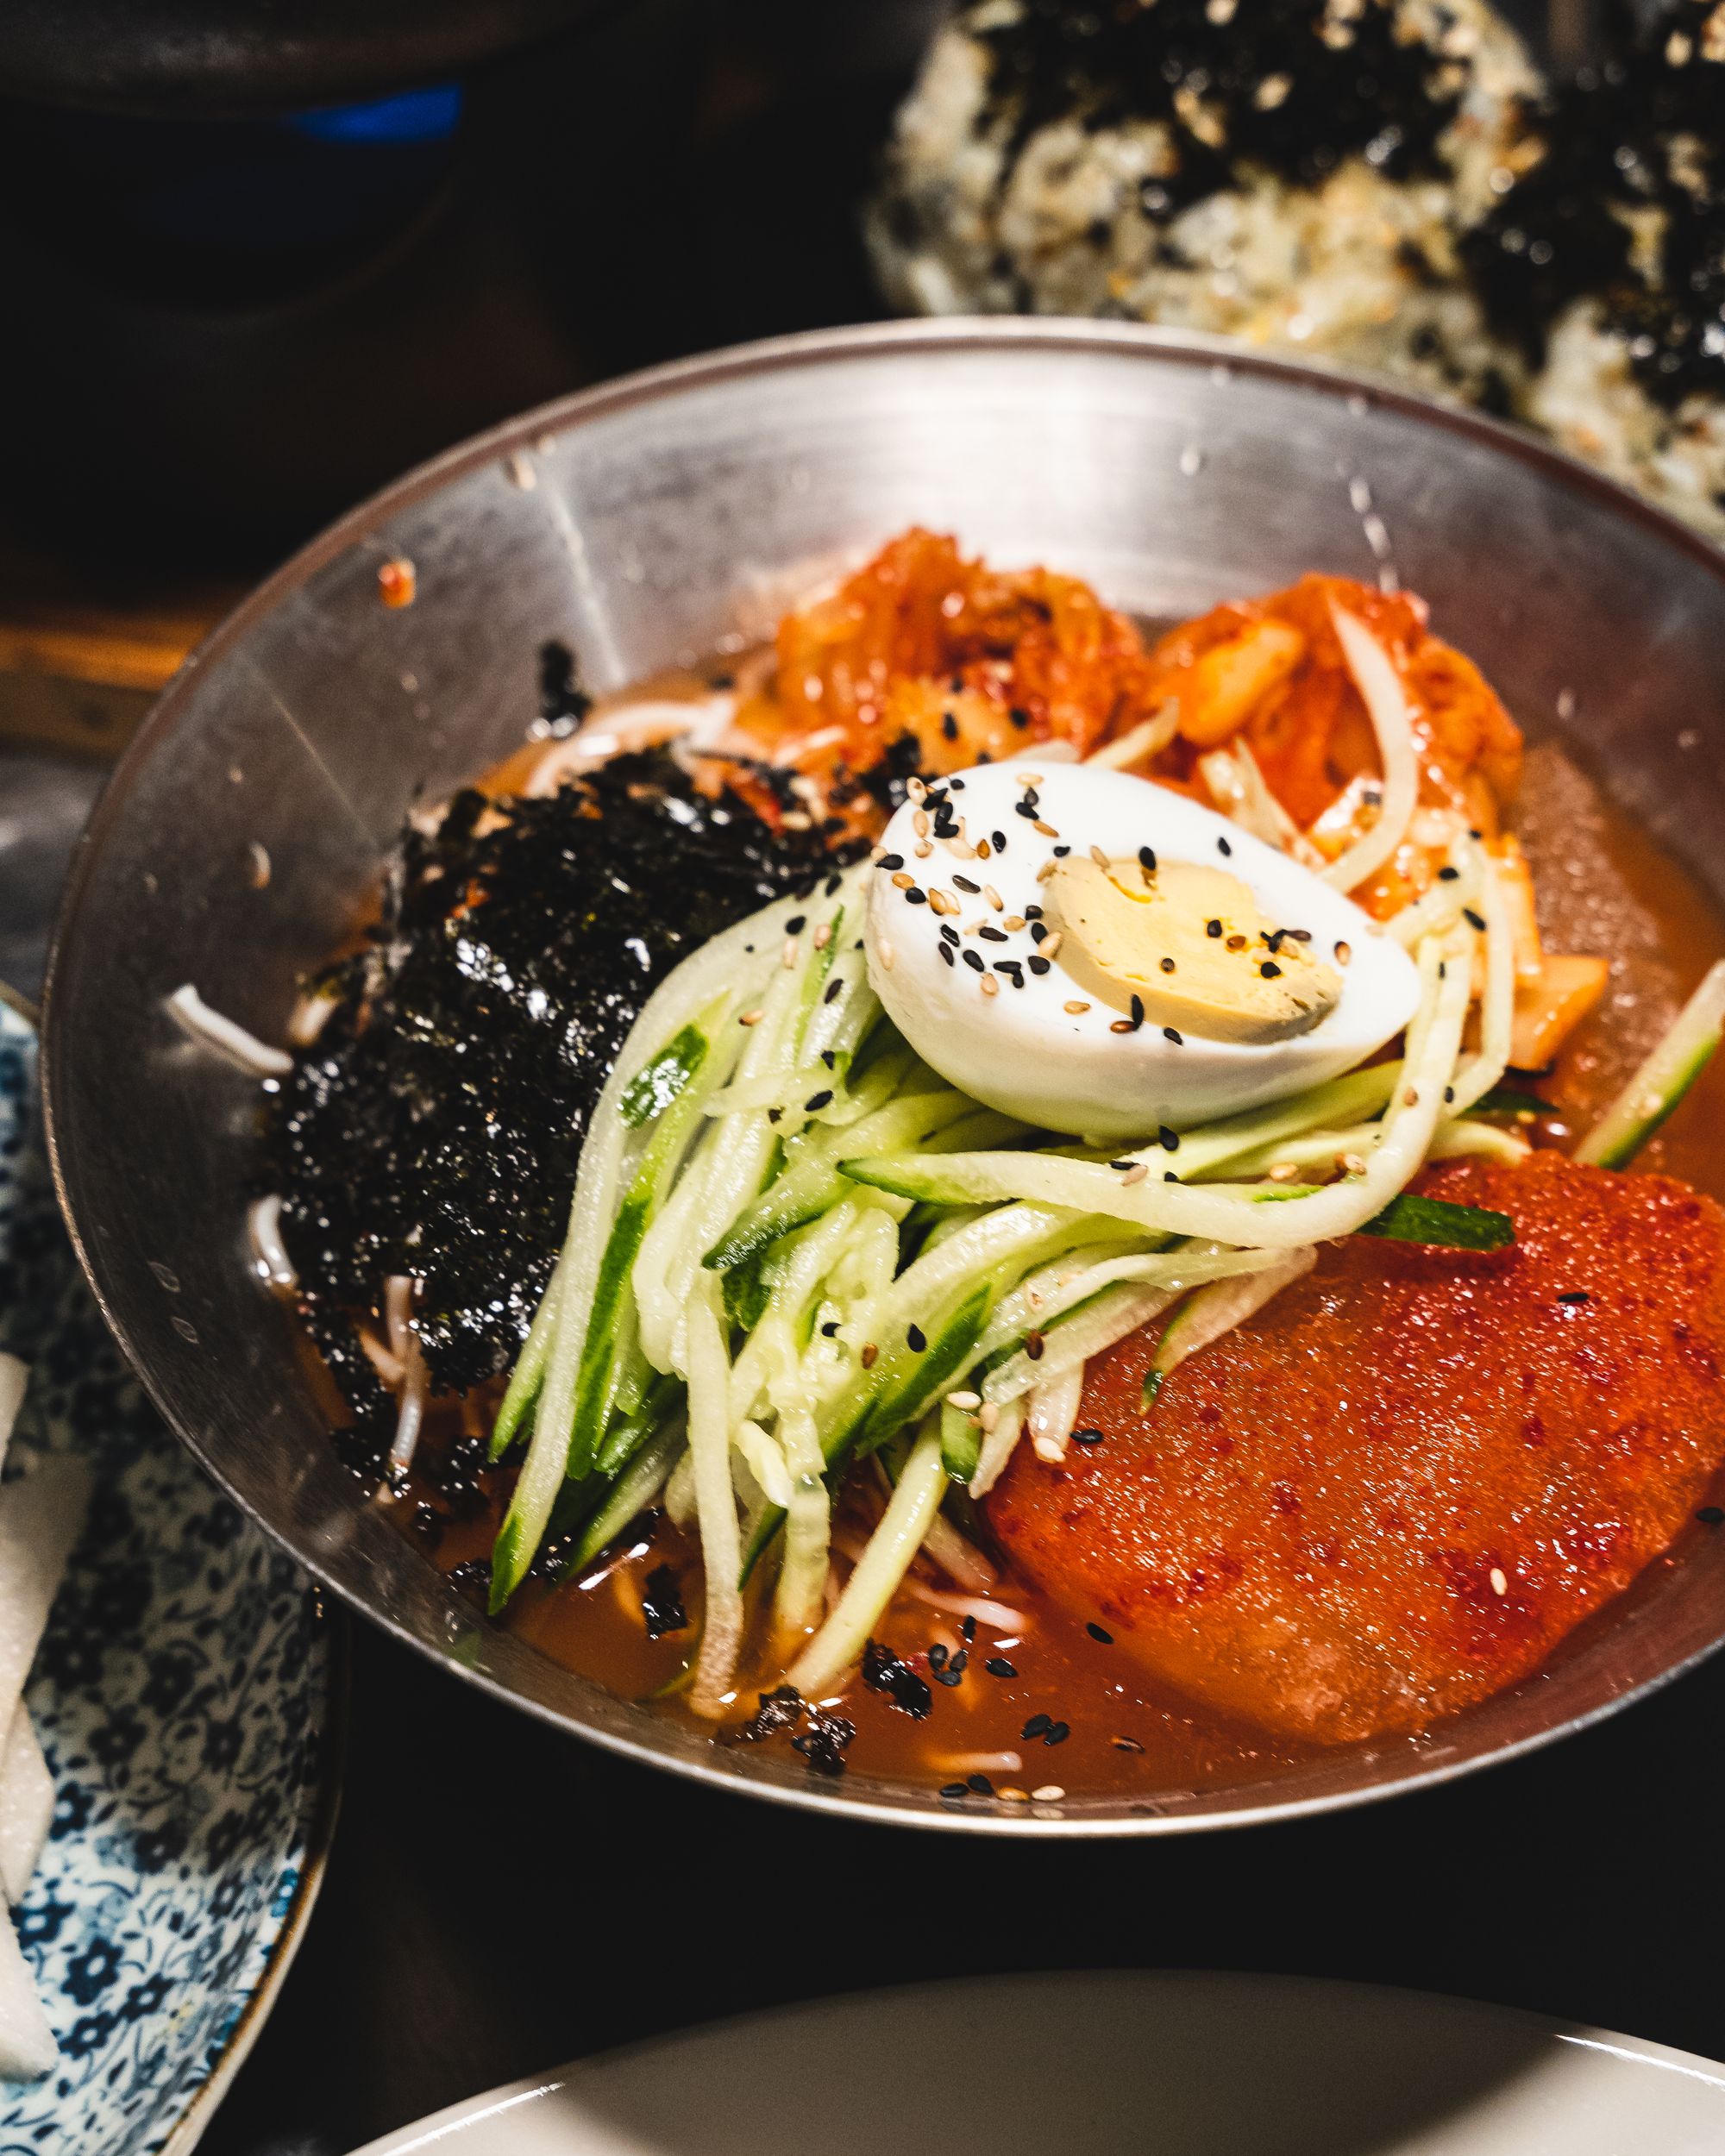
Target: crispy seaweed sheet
[{"x": 436, "y": 1127}]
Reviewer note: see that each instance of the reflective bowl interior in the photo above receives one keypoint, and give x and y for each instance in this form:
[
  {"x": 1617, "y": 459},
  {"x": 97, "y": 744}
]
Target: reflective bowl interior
[{"x": 662, "y": 513}]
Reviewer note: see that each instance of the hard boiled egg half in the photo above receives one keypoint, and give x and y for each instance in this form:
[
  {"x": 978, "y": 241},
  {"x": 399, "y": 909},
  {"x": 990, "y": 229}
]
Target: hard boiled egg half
[{"x": 1095, "y": 954}]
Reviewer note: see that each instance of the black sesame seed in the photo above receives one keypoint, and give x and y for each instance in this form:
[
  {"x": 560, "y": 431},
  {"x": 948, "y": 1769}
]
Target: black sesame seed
[
  {"x": 915, "y": 1338},
  {"x": 1123, "y": 1163},
  {"x": 980, "y": 1783},
  {"x": 1168, "y": 965},
  {"x": 1000, "y": 839},
  {"x": 775, "y": 1115},
  {"x": 955, "y": 1789},
  {"x": 828, "y": 1330},
  {"x": 1060, "y": 852},
  {"x": 1027, "y": 809},
  {"x": 1167, "y": 1140},
  {"x": 1096, "y": 1632},
  {"x": 1447, "y": 875},
  {"x": 818, "y": 1101},
  {"x": 891, "y": 862},
  {"x": 835, "y": 989},
  {"x": 1271, "y": 970},
  {"x": 1039, "y": 965},
  {"x": 991, "y": 934},
  {"x": 948, "y": 1677},
  {"x": 998, "y": 1665},
  {"x": 948, "y": 726},
  {"x": 969, "y": 1628},
  {"x": 796, "y": 925},
  {"x": 1057, "y": 1733},
  {"x": 1213, "y": 928},
  {"x": 1449, "y": 1095},
  {"x": 1169, "y": 1175},
  {"x": 1012, "y": 970},
  {"x": 1032, "y": 913},
  {"x": 1575, "y": 1295},
  {"x": 965, "y": 884},
  {"x": 915, "y": 897},
  {"x": 957, "y": 685},
  {"x": 830, "y": 1058},
  {"x": 1038, "y": 932},
  {"x": 1020, "y": 716},
  {"x": 945, "y": 950},
  {"x": 960, "y": 1661},
  {"x": 1086, "y": 1437},
  {"x": 1037, "y": 1726},
  {"x": 1146, "y": 860},
  {"x": 948, "y": 933},
  {"x": 1137, "y": 1010},
  {"x": 937, "y": 1656},
  {"x": 1299, "y": 935},
  {"x": 1169, "y": 1034},
  {"x": 1473, "y": 919},
  {"x": 1031, "y": 795},
  {"x": 975, "y": 960},
  {"x": 1711, "y": 1516},
  {"x": 1223, "y": 846}
]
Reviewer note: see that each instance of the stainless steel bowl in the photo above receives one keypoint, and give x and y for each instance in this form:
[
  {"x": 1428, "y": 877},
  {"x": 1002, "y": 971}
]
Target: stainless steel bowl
[{"x": 660, "y": 511}]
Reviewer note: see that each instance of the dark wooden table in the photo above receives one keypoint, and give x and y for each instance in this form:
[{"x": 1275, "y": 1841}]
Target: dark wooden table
[{"x": 501, "y": 1898}]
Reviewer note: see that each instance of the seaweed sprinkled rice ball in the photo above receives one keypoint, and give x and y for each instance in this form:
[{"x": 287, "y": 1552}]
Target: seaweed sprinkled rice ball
[
  {"x": 1606, "y": 265},
  {"x": 1295, "y": 172}
]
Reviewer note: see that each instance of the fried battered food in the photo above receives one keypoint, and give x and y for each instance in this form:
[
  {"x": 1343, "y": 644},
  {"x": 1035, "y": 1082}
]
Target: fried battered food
[{"x": 1397, "y": 1490}]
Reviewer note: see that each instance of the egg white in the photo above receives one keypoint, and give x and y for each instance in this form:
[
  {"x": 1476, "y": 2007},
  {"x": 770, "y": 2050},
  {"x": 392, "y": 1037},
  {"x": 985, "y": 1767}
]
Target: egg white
[{"x": 1019, "y": 1049}]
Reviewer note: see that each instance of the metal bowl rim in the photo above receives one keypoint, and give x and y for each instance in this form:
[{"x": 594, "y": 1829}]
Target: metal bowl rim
[{"x": 560, "y": 415}]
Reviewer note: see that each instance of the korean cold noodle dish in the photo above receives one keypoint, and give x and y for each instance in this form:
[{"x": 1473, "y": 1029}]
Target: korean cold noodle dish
[{"x": 1019, "y": 1202}]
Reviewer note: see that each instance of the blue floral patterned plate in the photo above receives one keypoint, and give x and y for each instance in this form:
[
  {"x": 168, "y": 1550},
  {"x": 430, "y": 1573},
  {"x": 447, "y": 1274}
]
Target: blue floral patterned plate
[{"x": 184, "y": 1700}]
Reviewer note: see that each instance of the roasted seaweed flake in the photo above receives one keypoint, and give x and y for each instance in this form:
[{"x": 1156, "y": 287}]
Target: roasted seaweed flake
[{"x": 434, "y": 1128}]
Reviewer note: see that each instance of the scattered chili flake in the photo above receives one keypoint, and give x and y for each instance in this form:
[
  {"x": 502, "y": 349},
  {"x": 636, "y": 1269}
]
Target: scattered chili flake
[
  {"x": 823, "y": 1743},
  {"x": 398, "y": 582},
  {"x": 777, "y": 1711}
]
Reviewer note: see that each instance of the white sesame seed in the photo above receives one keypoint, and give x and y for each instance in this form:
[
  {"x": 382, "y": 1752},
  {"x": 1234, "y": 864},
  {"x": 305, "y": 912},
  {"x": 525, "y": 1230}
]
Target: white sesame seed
[
  {"x": 1050, "y": 1793},
  {"x": 916, "y": 789},
  {"x": 994, "y": 897},
  {"x": 886, "y": 954},
  {"x": 990, "y": 984},
  {"x": 1099, "y": 857},
  {"x": 920, "y": 823},
  {"x": 1030, "y": 778},
  {"x": 1411, "y": 1095},
  {"x": 823, "y": 935},
  {"x": 751, "y": 1017},
  {"x": 903, "y": 880},
  {"x": 1046, "y": 870},
  {"x": 1500, "y": 1585},
  {"x": 877, "y": 853},
  {"x": 1051, "y": 944},
  {"x": 981, "y": 849},
  {"x": 1013, "y": 923},
  {"x": 1076, "y": 1010},
  {"x": 1284, "y": 1172},
  {"x": 796, "y": 820},
  {"x": 790, "y": 951},
  {"x": 922, "y": 850},
  {"x": 1047, "y": 828},
  {"x": 989, "y": 1414},
  {"x": 968, "y": 1402},
  {"x": 1134, "y": 1174}
]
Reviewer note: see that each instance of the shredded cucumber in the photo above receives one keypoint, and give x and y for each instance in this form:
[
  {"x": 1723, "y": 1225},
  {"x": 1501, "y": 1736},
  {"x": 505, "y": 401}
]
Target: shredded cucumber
[
  {"x": 1218, "y": 1308},
  {"x": 1663, "y": 1079}
]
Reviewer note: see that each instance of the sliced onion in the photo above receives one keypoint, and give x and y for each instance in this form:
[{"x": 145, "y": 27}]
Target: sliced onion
[{"x": 209, "y": 1028}]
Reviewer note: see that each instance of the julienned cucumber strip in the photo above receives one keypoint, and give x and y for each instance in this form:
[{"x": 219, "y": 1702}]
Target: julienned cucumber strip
[
  {"x": 900, "y": 1386},
  {"x": 1411, "y": 1220},
  {"x": 655, "y": 1085},
  {"x": 640, "y": 1482},
  {"x": 1662, "y": 1080},
  {"x": 625, "y": 1438},
  {"x": 961, "y": 1441}
]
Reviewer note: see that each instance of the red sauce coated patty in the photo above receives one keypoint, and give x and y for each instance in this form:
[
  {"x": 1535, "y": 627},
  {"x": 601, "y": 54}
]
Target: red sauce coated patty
[{"x": 1394, "y": 1491}]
